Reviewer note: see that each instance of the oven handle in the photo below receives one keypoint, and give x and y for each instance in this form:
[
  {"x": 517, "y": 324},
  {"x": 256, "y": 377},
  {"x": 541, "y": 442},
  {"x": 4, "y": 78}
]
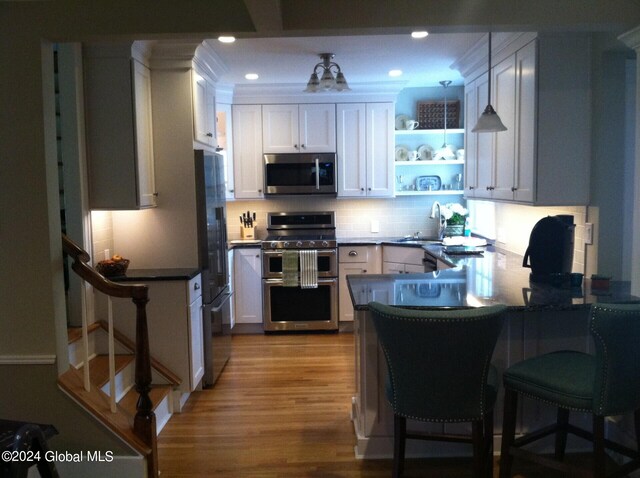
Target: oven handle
[
  {"x": 321, "y": 281},
  {"x": 317, "y": 173}
]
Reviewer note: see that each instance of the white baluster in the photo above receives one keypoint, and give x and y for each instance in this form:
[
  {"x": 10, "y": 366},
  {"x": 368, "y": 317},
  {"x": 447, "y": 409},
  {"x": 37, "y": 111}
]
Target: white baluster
[{"x": 112, "y": 358}]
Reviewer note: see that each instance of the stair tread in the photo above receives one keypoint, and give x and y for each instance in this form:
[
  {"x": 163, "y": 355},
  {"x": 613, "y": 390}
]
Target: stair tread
[
  {"x": 75, "y": 333},
  {"x": 97, "y": 403},
  {"x": 156, "y": 394},
  {"x": 99, "y": 367}
]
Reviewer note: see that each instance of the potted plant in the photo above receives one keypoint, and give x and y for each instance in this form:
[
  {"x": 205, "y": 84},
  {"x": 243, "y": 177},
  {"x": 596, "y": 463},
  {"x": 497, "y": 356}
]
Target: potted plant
[{"x": 456, "y": 217}]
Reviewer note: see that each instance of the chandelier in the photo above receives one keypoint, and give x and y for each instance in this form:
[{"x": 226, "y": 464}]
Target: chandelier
[{"x": 327, "y": 81}]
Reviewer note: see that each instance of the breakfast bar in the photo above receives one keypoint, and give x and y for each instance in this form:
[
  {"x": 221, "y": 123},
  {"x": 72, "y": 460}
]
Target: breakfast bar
[{"x": 541, "y": 318}]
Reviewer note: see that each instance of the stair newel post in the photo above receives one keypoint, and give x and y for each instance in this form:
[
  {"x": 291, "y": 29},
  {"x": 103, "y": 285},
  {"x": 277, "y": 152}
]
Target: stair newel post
[{"x": 144, "y": 424}]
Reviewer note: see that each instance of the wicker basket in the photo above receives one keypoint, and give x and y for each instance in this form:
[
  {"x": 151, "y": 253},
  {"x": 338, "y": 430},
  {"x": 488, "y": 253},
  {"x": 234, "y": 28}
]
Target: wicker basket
[
  {"x": 111, "y": 268},
  {"x": 430, "y": 114}
]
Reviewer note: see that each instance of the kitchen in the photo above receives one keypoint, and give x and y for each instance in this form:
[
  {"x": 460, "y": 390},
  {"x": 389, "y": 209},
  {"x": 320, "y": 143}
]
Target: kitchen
[{"x": 605, "y": 166}]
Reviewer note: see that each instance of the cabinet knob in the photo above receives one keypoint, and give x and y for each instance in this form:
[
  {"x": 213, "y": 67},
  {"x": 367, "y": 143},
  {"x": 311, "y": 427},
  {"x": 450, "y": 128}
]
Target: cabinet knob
[
  {"x": 295, "y": 146},
  {"x": 369, "y": 189},
  {"x": 210, "y": 135},
  {"x": 155, "y": 195},
  {"x": 514, "y": 189},
  {"x": 302, "y": 146},
  {"x": 364, "y": 270},
  {"x": 361, "y": 189},
  {"x": 196, "y": 286},
  {"x": 230, "y": 190},
  {"x": 353, "y": 253},
  {"x": 471, "y": 187},
  {"x": 259, "y": 190}
]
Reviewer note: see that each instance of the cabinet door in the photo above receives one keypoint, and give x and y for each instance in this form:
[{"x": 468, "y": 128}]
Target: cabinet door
[
  {"x": 471, "y": 115},
  {"x": 525, "y": 126},
  {"x": 352, "y": 159},
  {"x": 503, "y": 80},
  {"x": 346, "y": 306},
  {"x": 196, "y": 343},
  {"x": 248, "y": 169},
  {"x": 247, "y": 284},
  {"x": 144, "y": 134},
  {"x": 204, "y": 119},
  {"x": 413, "y": 268},
  {"x": 484, "y": 149},
  {"x": 392, "y": 268},
  {"x": 317, "y": 128},
  {"x": 280, "y": 129},
  {"x": 380, "y": 127},
  {"x": 224, "y": 135}
]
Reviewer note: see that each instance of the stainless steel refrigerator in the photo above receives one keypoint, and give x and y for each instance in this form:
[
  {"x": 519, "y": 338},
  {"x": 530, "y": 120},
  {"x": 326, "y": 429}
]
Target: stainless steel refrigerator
[{"x": 212, "y": 257}]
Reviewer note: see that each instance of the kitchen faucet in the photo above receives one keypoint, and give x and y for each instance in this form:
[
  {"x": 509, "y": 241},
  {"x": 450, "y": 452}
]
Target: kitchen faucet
[{"x": 441, "y": 219}]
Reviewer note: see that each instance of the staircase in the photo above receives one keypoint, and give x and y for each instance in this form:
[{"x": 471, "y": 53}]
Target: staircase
[
  {"x": 164, "y": 382},
  {"x": 113, "y": 377}
]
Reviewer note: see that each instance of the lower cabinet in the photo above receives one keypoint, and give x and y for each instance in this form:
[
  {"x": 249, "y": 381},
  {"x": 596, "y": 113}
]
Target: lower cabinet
[
  {"x": 355, "y": 260},
  {"x": 247, "y": 285},
  {"x": 402, "y": 260},
  {"x": 174, "y": 319}
]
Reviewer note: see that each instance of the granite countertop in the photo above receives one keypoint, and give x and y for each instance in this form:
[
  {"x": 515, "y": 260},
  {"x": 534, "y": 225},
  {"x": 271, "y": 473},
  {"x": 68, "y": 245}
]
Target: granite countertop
[
  {"x": 496, "y": 277},
  {"x": 239, "y": 243},
  {"x": 147, "y": 275}
]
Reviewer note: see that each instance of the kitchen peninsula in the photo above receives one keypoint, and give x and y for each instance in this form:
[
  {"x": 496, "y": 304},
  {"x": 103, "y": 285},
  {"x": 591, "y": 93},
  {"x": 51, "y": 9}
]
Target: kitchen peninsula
[{"x": 541, "y": 318}]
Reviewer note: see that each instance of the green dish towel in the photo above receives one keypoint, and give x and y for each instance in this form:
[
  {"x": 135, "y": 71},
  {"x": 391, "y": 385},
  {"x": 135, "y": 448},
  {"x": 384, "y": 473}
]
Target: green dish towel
[{"x": 290, "y": 276}]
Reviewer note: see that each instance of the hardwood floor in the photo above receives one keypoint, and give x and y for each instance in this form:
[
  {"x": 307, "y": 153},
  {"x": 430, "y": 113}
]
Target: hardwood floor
[{"x": 281, "y": 409}]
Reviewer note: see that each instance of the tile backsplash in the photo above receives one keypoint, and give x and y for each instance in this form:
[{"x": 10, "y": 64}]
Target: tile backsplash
[{"x": 354, "y": 217}]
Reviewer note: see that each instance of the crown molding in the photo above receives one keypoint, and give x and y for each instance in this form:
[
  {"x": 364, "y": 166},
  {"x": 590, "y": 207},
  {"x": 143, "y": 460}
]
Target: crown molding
[
  {"x": 208, "y": 60},
  {"x": 631, "y": 38},
  {"x": 224, "y": 93},
  {"x": 293, "y": 93}
]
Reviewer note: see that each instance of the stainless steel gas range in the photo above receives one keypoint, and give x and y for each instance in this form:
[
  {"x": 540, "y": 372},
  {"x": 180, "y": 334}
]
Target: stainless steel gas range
[{"x": 303, "y": 297}]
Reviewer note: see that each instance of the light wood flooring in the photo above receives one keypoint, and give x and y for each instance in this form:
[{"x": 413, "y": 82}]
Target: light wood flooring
[{"x": 281, "y": 409}]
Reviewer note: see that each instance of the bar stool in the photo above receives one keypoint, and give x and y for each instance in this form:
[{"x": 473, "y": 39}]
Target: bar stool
[
  {"x": 439, "y": 370},
  {"x": 604, "y": 384}
]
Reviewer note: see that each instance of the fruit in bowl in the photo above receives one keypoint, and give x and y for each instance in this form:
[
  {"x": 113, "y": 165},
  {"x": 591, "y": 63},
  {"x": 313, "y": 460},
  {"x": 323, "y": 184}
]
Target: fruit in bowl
[{"x": 116, "y": 266}]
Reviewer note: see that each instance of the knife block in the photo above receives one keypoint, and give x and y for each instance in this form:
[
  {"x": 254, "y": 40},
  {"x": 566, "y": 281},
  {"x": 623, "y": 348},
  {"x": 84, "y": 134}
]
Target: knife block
[{"x": 248, "y": 232}]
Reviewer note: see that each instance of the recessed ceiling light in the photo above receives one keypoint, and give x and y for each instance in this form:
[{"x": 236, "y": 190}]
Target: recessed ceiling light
[
  {"x": 251, "y": 76},
  {"x": 421, "y": 34},
  {"x": 395, "y": 72},
  {"x": 226, "y": 39}
]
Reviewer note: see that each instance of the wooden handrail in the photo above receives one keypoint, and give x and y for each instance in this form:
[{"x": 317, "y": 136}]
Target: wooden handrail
[{"x": 144, "y": 424}]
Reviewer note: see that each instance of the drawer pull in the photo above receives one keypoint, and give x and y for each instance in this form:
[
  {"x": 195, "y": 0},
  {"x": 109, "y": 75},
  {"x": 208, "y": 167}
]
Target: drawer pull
[
  {"x": 353, "y": 253},
  {"x": 196, "y": 286}
]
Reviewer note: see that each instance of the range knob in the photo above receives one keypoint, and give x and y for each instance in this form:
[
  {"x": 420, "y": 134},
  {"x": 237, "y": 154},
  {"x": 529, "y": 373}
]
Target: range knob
[
  {"x": 312, "y": 243},
  {"x": 285, "y": 244},
  {"x": 325, "y": 244},
  {"x": 299, "y": 244},
  {"x": 273, "y": 244}
]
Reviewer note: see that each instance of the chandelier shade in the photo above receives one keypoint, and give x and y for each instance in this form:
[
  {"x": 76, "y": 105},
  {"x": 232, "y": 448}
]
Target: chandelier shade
[{"x": 327, "y": 81}]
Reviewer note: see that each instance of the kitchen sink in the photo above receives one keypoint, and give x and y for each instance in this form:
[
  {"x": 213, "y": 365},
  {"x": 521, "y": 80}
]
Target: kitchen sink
[{"x": 421, "y": 241}]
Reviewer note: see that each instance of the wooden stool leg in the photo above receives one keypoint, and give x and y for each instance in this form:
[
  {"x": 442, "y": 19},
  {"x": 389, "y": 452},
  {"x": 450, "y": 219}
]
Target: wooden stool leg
[
  {"x": 561, "y": 433},
  {"x": 598, "y": 447},
  {"x": 399, "y": 440},
  {"x": 508, "y": 432},
  {"x": 636, "y": 417},
  {"x": 488, "y": 444}
]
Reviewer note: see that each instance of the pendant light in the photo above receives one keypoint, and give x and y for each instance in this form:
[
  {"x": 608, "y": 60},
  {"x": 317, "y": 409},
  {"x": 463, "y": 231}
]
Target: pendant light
[
  {"x": 489, "y": 121},
  {"x": 445, "y": 152}
]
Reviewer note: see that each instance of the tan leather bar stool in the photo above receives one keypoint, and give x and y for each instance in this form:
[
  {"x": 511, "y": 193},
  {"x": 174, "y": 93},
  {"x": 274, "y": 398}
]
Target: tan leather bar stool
[
  {"x": 604, "y": 384},
  {"x": 439, "y": 370}
]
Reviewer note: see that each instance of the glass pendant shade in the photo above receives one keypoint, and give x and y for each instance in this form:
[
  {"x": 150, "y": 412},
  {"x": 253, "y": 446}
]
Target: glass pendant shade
[
  {"x": 489, "y": 121},
  {"x": 313, "y": 85},
  {"x": 341, "y": 83},
  {"x": 327, "y": 81}
]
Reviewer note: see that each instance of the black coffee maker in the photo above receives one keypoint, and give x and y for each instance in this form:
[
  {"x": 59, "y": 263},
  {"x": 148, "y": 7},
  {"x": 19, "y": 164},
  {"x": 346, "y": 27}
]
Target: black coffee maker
[{"x": 550, "y": 250}]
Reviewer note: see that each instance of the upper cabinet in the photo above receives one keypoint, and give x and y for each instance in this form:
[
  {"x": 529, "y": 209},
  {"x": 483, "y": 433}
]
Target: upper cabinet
[
  {"x": 204, "y": 107},
  {"x": 248, "y": 168},
  {"x": 119, "y": 130},
  {"x": 299, "y": 128},
  {"x": 540, "y": 88},
  {"x": 365, "y": 149}
]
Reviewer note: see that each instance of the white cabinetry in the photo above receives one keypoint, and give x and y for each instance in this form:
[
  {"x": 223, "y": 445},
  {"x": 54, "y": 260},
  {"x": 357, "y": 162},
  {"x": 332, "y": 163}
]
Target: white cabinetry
[
  {"x": 204, "y": 108},
  {"x": 196, "y": 335},
  {"x": 119, "y": 128},
  {"x": 247, "y": 284},
  {"x": 355, "y": 260},
  {"x": 365, "y": 149},
  {"x": 224, "y": 136},
  {"x": 248, "y": 169},
  {"x": 402, "y": 260},
  {"x": 540, "y": 89},
  {"x": 299, "y": 128}
]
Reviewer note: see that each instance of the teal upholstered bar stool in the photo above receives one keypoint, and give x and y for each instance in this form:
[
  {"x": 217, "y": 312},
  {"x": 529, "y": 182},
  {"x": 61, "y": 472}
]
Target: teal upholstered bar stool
[
  {"x": 604, "y": 384},
  {"x": 439, "y": 370}
]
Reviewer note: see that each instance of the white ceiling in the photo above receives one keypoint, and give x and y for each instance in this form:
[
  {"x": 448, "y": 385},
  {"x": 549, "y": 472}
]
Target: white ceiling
[{"x": 363, "y": 59}]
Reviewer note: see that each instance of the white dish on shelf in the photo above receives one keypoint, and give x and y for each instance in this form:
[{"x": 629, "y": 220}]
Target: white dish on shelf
[
  {"x": 425, "y": 152},
  {"x": 402, "y": 153},
  {"x": 400, "y": 122}
]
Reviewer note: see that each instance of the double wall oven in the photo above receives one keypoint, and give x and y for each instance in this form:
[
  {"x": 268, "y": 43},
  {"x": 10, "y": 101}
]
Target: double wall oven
[{"x": 290, "y": 306}]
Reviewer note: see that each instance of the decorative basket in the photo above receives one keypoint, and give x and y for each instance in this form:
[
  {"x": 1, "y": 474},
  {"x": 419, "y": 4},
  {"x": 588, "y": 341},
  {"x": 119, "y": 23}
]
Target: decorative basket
[
  {"x": 111, "y": 268},
  {"x": 431, "y": 114}
]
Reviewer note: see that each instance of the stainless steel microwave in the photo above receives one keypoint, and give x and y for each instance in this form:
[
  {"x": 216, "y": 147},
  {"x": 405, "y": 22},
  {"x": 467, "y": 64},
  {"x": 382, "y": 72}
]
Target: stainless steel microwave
[{"x": 300, "y": 173}]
